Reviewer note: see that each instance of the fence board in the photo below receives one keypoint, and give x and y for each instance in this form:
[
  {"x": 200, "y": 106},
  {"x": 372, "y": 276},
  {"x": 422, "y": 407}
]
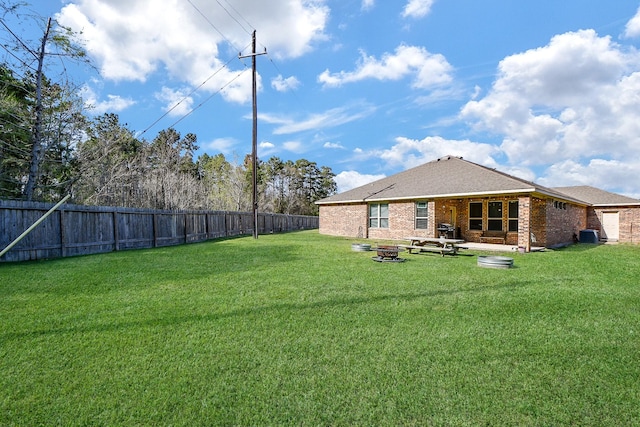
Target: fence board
[{"x": 82, "y": 230}]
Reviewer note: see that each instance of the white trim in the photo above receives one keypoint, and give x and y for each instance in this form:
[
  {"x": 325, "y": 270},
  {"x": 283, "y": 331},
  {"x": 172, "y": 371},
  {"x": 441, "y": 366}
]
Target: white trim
[
  {"x": 430, "y": 197},
  {"x": 526, "y": 191}
]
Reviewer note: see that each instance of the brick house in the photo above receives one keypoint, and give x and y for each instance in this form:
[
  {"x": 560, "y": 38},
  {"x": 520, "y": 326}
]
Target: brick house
[{"x": 477, "y": 202}]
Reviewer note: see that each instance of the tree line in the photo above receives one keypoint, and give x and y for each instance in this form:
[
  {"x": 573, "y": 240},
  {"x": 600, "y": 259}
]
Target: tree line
[{"x": 51, "y": 146}]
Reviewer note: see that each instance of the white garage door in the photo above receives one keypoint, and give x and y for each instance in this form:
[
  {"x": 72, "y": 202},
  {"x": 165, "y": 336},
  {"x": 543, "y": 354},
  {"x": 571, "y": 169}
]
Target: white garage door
[{"x": 610, "y": 225}]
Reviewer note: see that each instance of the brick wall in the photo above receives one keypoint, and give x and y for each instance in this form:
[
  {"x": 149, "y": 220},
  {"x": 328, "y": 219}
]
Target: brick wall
[
  {"x": 348, "y": 220},
  {"x": 402, "y": 220},
  {"x": 564, "y": 220},
  {"x": 629, "y": 221},
  {"x": 551, "y": 224},
  {"x": 630, "y": 225}
]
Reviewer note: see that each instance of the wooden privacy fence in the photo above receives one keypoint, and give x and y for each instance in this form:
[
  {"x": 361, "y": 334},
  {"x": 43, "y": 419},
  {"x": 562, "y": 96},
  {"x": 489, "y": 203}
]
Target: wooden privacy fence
[{"x": 81, "y": 230}]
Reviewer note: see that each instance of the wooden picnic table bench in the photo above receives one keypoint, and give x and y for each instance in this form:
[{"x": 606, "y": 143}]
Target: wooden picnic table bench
[
  {"x": 489, "y": 236},
  {"x": 429, "y": 244}
]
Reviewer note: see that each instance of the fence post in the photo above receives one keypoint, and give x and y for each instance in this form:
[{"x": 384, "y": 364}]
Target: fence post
[
  {"x": 116, "y": 235},
  {"x": 186, "y": 233},
  {"x": 155, "y": 229},
  {"x": 63, "y": 247}
]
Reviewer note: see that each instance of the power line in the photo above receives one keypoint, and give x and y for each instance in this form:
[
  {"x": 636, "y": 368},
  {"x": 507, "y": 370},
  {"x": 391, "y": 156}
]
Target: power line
[
  {"x": 28, "y": 49},
  {"x": 212, "y": 25},
  {"x": 209, "y": 97},
  {"x": 234, "y": 18},
  {"x": 191, "y": 93}
]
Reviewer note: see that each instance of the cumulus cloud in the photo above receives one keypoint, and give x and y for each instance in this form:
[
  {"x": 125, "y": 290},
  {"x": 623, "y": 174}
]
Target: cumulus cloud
[
  {"x": 408, "y": 152},
  {"x": 417, "y": 8},
  {"x": 612, "y": 174},
  {"x": 178, "y": 102},
  {"x": 333, "y": 145},
  {"x": 223, "y": 145},
  {"x": 632, "y": 29},
  {"x": 113, "y": 103},
  {"x": 351, "y": 179},
  {"x": 428, "y": 70},
  {"x": 284, "y": 85},
  {"x": 574, "y": 98},
  {"x": 294, "y": 146},
  {"x": 130, "y": 40}
]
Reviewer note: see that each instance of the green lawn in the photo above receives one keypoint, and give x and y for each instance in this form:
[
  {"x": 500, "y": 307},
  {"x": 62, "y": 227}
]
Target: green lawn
[{"x": 297, "y": 329}]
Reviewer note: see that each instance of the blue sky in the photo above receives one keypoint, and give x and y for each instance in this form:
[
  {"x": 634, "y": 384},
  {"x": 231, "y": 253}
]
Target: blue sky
[{"x": 546, "y": 90}]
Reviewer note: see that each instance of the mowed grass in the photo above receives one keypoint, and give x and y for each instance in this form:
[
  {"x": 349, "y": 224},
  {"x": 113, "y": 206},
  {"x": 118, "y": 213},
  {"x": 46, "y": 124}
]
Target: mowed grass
[{"x": 297, "y": 329}]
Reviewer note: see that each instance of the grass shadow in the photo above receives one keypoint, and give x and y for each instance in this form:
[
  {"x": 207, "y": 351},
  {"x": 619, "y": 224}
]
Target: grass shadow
[{"x": 257, "y": 311}]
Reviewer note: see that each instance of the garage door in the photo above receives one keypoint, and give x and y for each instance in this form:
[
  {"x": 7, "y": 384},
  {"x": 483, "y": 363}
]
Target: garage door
[{"x": 611, "y": 225}]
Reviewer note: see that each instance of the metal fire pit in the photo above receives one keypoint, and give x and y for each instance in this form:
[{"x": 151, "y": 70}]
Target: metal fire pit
[{"x": 387, "y": 254}]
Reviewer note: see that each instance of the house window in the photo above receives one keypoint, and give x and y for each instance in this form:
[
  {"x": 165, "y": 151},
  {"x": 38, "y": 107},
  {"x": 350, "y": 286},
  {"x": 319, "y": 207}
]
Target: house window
[
  {"x": 513, "y": 216},
  {"x": 494, "y": 222},
  {"x": 421, "y": 215},
  {"x": 379, "y": 215},
  {"x": 475, "y": 216}
]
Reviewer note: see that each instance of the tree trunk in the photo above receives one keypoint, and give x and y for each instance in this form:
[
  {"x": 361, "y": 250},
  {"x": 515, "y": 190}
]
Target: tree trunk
[{"x": 36, "y": 133}]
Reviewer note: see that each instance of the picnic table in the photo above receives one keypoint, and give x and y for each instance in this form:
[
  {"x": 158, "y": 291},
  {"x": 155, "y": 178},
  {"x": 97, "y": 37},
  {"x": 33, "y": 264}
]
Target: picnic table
[{"x": 440, "y": 245}]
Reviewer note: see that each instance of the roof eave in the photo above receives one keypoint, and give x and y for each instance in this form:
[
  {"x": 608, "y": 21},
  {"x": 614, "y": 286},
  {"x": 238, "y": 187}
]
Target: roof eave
[
  {"x": 431, "y": 196},
  {"x": 613, "y": 205}
]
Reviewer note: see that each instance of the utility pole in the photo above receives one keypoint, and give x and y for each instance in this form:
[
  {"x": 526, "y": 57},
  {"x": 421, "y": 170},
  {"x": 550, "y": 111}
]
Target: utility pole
[{"x": 254, "y": 140}]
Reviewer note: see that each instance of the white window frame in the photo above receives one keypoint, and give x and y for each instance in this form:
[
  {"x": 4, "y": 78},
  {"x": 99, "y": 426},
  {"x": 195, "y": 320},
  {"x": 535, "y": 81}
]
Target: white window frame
[
  {"x": 377, "y": 219},
  {"x": 420, "y": 218}
]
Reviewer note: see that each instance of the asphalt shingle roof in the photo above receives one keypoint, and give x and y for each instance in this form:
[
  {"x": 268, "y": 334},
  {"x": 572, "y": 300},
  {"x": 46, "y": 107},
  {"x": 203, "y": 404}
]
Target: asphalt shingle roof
[
  {"x": 448, "y": 176},
  {"x": 597, "y": 197}
]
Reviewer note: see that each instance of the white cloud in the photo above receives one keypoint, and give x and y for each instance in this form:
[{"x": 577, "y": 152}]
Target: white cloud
[
  {"x": 333, "y": 145},
  {"x": 632, "y": 29},
  {"x": 130, "y": 40},
  {"x": 368, "y": 4},
  {"x": 330, "y": 118},
  {"x": 408, "y": 152},
  {"x": 178, "y": 102},
  {"x": 351, "y": 179},
  {"x": 615, "y": 175},
  {"x": 294, "y": 146},
  {"x": 574, "y": 98},
  {"x": 223, "y": 145},
  {"x": 113, "y": 103},
  {"x": 266, "y": 148},
  {"x": 283, "y": 85},
  {"x": 428, "y": 70},
  {"x": 417, "y": 8}
]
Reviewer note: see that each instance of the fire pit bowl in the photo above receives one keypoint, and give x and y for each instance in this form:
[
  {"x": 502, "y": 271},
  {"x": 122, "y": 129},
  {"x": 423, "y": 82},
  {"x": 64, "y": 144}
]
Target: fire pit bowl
[{"x": 387, "y": 253}]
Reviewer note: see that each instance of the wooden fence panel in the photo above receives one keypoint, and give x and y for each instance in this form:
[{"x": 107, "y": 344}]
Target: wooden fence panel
[
  {"x": 135, "y": 229},
  {"x": 217, "y": 225},
  {"x": 43, "y": 242},
  {"x": 81, "y": 230},
  {"x": 196, "y": 227},
  {"x": 87, "y": 232}
]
